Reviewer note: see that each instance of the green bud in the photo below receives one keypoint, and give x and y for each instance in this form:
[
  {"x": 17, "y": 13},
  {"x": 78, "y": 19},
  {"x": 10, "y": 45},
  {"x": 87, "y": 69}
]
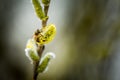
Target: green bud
[
  {"x": 38, "y": 9},
  {"x": 31, "y": 55},
  {"x": 31, "y": 50},
  {"x": 45, "y": 61}
]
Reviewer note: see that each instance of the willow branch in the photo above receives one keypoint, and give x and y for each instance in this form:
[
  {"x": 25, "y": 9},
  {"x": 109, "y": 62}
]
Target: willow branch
[{"x": 40, "y": 48}]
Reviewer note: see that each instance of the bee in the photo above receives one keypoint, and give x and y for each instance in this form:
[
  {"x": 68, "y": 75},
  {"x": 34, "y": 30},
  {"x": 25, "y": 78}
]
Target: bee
[{"x": 45, "y": 34}]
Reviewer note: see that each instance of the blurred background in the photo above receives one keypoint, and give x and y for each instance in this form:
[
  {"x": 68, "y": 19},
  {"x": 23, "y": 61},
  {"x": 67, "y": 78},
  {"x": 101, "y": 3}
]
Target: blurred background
[{"x": 86, "y": 45}]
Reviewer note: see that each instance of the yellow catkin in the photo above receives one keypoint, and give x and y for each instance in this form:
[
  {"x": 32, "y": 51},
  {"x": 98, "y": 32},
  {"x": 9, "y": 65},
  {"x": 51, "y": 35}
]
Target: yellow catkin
[{"x": 46, "y": 34}]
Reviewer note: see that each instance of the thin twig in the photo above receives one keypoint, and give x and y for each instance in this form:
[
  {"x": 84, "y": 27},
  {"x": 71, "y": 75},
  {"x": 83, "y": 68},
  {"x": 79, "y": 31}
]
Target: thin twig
[{"x": 35, "y": 74}]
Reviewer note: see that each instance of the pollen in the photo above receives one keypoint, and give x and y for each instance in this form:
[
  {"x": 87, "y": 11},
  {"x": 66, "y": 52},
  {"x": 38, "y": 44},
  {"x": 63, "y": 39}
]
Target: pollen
[{"x": 46, "y": 34}]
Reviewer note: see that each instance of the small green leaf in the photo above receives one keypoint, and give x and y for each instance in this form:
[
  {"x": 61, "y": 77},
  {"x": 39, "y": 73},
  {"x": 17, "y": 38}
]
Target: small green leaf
[{"x": 38, "y": 9}]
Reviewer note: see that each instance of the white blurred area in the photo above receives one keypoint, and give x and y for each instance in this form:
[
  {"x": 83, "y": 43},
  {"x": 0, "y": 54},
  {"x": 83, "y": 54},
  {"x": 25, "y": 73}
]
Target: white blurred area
[{"x": 25, "y": 22}]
